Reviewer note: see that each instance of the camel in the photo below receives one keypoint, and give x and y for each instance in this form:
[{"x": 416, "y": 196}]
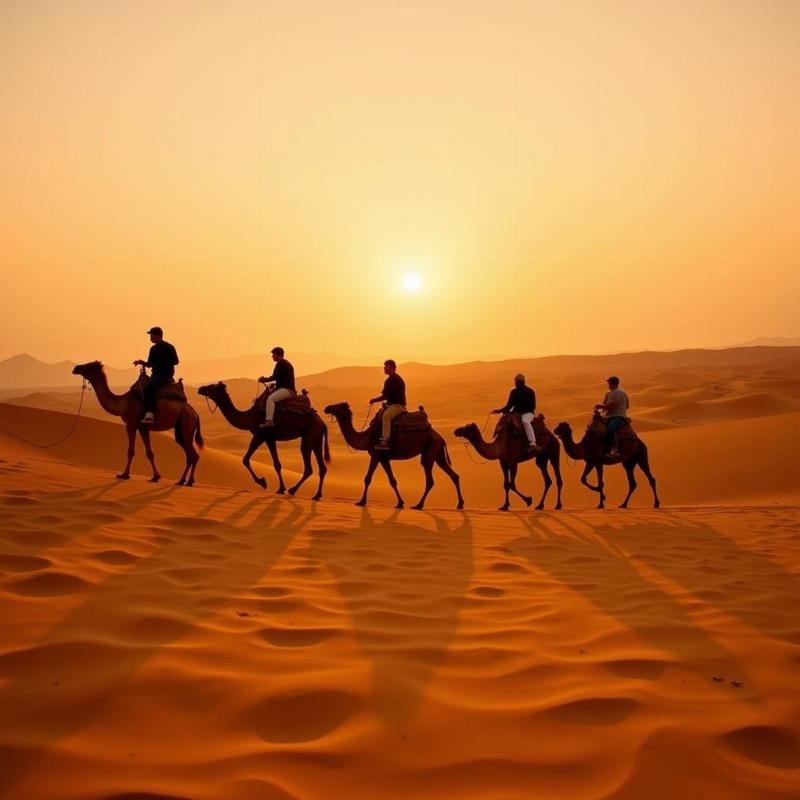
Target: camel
[
  {"x": 170, "y": 414},
  {"x": 511, "y": 451},
  {"x": 404, "y": 444},
  {"x": 592, "y": 450},
  {"x": 309, "y": 428}
]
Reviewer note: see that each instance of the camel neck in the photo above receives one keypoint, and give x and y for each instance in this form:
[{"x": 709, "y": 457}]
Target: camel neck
[
  {"x": 110, "y": 402},
  {"x": 356, "y": 440},
  {"x": 485, "y": 449},
  {"x": 243, "y": 420},
  {"x": 573, "y": 449}
]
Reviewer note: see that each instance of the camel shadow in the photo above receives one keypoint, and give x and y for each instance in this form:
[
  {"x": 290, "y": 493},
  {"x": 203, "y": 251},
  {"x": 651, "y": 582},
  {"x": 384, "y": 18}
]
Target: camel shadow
[
  {"x": 405, "y": 602},
  {"x": 38, "y": 524},
  {"x": 739, "y": 581},
  {"x": 591, "y": 563},
  {"x": 55, "y": 686}
]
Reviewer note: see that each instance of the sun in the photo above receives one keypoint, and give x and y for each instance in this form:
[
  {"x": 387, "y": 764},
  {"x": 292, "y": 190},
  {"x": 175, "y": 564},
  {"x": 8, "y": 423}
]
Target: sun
[{"x": 411, "y": 282}]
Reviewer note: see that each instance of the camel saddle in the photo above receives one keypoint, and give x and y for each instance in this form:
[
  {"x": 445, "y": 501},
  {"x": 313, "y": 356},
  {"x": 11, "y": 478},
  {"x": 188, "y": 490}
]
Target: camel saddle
[
  {"x": 597, "y": 427},
  {"x": 297, "y": 404},
  {"x": 172, "y": 391},
  {"x": 406, "y": 422},
  {"x": 512, "y": 422}
]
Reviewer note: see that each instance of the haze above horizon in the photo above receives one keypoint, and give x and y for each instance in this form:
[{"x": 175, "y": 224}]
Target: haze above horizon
[{"x": 443, "y": 179}]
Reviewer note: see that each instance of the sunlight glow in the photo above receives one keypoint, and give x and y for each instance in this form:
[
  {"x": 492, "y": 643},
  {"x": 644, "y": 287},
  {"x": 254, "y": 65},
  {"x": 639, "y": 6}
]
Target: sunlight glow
[{"x": 411, "y": 282}]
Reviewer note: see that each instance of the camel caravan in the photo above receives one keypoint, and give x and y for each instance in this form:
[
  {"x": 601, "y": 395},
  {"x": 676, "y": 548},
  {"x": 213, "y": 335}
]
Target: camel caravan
[{"x": 157, "y": 402}]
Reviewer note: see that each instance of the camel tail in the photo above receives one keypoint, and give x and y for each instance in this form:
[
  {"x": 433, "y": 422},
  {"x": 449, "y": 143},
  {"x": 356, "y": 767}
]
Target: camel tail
[
  {"x": 198, "y": 437},
  {"x": 447, "y": 455},
  {"x": 326, "y": 448}
]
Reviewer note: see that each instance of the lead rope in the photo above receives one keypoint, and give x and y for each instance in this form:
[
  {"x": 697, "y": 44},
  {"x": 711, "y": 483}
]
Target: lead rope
[
  {"x": 467, "y": 445},
  {"x": 84, "y": 388}
]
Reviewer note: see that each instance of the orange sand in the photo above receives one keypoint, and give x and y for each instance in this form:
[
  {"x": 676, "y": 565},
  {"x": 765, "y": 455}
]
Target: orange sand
[{"x": 221, "y": 643}]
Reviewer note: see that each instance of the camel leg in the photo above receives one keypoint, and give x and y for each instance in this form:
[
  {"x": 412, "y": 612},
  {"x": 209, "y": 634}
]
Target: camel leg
[
  {"x": 506, "y": 484},
  {"x": 186, "y": 442},
  {"x": 427, "y": 466},
  {"x": 586, "y": 470},
  {"x": 547, "y": 483},
  {"x": 644, "y": 465},
  {"x": 255, "y": 443},
  {"x": 629, "y": 467},
  {"x": 387, "y": 468},
  {"x": 272, "y": 446},
  {"x": 148, "y": 449},
  {"x": 600, "y": 484},
  {"x": 373, "y": 464},
  {"x": 559, "y": 482},
  {"x": 126, "y": 473},
  {"x": 444, "y": 465},
  {"x": 305, "y": 451},
  {"x": 512, "y": 474},
  {"x": 321, "y": 466}
]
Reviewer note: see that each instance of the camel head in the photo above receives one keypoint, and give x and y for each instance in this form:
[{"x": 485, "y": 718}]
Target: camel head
[
  {"x": 339, "y": 410},
  {"x": 562, "y": 429},
  {"x": 89, "y": 371},
  {"x": 213, "y": 390},
  {"x": 468, "y": 431}
]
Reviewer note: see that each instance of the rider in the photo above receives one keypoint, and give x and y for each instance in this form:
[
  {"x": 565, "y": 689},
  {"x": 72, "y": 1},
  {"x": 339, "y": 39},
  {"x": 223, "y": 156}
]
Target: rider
[
  {"x": 162, "y": 361},
  {"x": 283, "y": 378},
  {"x": 394, "y": 395},
  {"x": 522, "y": 400},
  {"x": 615, "y": 407}
]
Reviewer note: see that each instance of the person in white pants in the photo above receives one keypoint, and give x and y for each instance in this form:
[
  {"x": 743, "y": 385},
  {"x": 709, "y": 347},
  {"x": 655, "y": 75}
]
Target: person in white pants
[
  {"x": 522, "y": 400},
  {"x": 283, "y": 378}
]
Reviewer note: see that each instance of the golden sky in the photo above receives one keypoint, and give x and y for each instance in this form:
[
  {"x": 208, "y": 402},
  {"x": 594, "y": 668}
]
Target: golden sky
[{"x": 562, "y": 176}]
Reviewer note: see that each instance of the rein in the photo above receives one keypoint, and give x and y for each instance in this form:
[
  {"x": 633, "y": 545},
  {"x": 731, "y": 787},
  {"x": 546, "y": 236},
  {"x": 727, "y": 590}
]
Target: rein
[{"x": 84, "y": 388}]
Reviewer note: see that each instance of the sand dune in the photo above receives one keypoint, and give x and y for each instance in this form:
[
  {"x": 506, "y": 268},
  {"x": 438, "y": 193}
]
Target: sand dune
[
  {"x": 224, "y": 643},
  {"x": 209, "y": 644}
]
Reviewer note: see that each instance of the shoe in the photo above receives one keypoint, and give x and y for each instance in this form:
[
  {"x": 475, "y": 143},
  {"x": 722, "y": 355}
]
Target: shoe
[
  {"x": 383, "y": 444},
  {"x": 612, "y": 454},
  {"x": 533, "y": 448},
  {"x": 267, "y": 424},
  {"x": 148, "y": 418}
]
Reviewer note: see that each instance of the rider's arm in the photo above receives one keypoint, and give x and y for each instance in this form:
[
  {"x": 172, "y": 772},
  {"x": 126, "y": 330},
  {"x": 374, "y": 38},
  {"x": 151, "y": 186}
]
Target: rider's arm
[{"x": 508, "y": 406}]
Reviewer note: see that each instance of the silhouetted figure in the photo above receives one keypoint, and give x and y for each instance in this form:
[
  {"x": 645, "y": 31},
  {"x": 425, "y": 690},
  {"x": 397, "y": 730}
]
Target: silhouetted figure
[
  {"x": 283, "y": 378},
  {"x": 162, "y": 360},
  {"x": 615, "y": 407},
  {"x": 394, "y": 395},
  {"x": 522, "y": 401}
]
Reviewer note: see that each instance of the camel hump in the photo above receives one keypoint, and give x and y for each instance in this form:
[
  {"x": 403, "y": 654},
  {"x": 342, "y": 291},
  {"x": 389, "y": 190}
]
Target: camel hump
[
  {"x": 172, "y": 391},
  {"x": 406, "y": 422}
]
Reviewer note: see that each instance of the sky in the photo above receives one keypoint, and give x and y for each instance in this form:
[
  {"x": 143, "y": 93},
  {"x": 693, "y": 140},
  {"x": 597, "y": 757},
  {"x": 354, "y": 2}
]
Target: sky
[{"x": 554, "y": 177}]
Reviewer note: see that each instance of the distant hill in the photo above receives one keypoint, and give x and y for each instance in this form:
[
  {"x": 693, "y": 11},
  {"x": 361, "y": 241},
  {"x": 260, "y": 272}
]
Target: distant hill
[
  {"x": 773, "y": 341},
  {"x": 26, "y": 372}
]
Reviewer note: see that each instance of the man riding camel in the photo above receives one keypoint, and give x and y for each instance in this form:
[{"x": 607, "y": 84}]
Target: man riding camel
[
  {"x": 522, "y": 401},
  {"x": 615, "y": 407},
  {"x": 283, "y": 378},
  {"x": 162, "y": 360},
  {"x": 394, "y": 395}
]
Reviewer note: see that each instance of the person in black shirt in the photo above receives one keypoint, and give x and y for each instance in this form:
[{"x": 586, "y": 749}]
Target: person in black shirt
[
  {"x": 283, "y": 378},
  {"x": 162, "y": 361},
  {"x": 394, "y": 395},
  {"x": 522, "y": 401}
]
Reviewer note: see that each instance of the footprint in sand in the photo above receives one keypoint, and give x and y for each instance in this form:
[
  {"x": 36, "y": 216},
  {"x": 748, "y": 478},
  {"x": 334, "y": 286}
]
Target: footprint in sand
[
  {"x": 48, "y": 584},
  {"x": 15, "y": 563},
  {"x": 296, "y": 637},
  {"x": 302, "y": 716},
  {"x": 488, "y": 591},
  {"x": 765, "y": 744},
  {"x": 116, "y": 557},
  {"x": 594, "y": 711}
]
